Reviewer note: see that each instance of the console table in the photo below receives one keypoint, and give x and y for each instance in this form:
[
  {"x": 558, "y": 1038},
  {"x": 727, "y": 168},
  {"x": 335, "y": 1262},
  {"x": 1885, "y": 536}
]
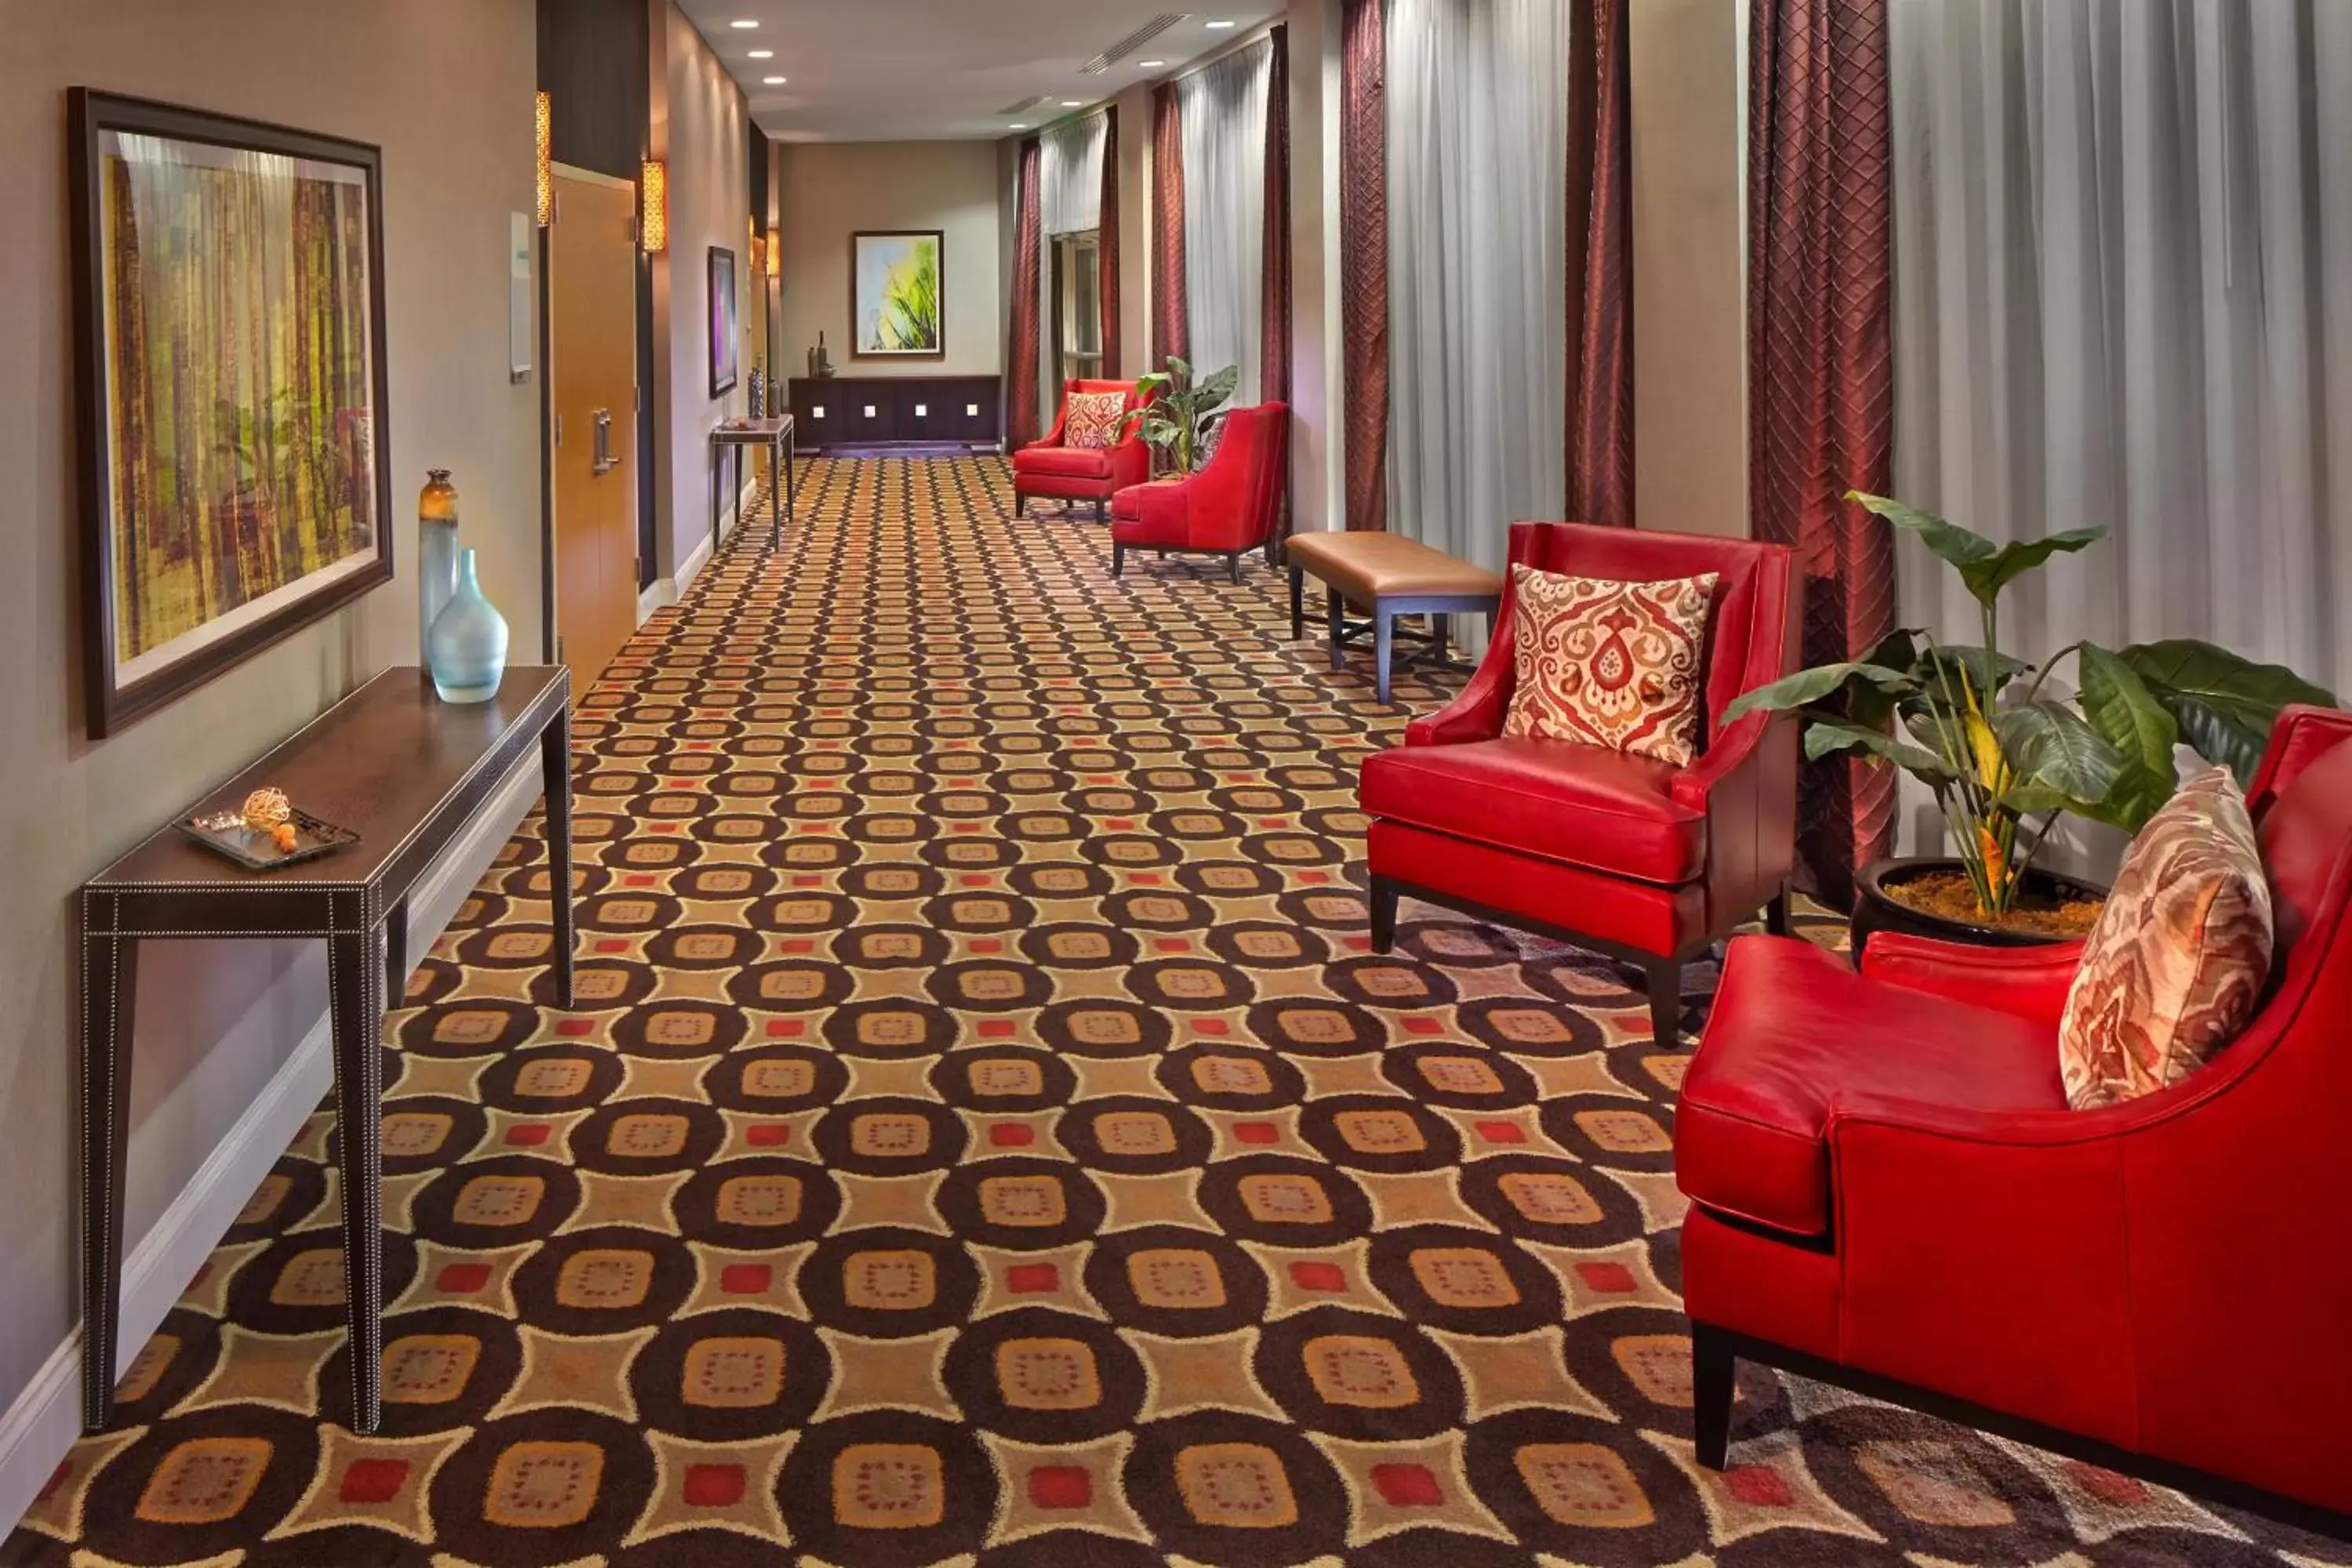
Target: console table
[
  {"x": 406, "y": 771},
  {"x": 775, "y": 433},
  {"x": 836, "y": 412}
]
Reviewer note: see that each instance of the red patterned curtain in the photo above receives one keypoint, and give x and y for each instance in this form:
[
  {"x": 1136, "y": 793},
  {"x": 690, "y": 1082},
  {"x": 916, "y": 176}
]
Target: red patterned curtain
[
  {"x": 1021, "y": 394},
  {"x": 1171, "y": 334},
  {"x": 1821, "y": 370},
  {"x": 1600, "y": 272},
  {"x": 1273, "y": 357},
  {"x": 1107, "y": 231},
  {"x": 1364, "y": 259}
]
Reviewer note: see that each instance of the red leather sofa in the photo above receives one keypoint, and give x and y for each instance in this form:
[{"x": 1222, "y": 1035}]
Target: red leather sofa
[
  {"x": 1049, "y": 470},
  {"x": 1632, "y": 858},
  {"x": 1889, "y": 1191},
  {"x": 1232, "y": 506}
]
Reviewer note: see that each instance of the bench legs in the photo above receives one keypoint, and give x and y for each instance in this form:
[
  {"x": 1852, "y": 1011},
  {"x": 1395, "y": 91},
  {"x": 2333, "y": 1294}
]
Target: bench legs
[
  {"x": 1336, "y": 609},
  {"x": 1297, "y": 601}
]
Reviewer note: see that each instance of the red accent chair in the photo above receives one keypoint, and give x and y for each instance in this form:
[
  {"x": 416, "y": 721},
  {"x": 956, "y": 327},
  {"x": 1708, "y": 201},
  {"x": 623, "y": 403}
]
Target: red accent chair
[
  {"x": 1636, "y": 859},
  {"x": 1232, "y": 506},
  {"x": 1890, "y": 1194},
  {"x": 1047, "y": 469}
]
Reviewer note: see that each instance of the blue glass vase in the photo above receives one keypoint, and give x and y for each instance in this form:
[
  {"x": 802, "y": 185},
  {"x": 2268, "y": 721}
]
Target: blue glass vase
[{"x": 467, "y": 647}]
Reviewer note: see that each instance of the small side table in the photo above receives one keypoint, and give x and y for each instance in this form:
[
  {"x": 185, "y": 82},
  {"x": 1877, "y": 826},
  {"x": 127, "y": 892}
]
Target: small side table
[
  {"x": 405, "y": 771},
  {"x": 777, "y": 435}
]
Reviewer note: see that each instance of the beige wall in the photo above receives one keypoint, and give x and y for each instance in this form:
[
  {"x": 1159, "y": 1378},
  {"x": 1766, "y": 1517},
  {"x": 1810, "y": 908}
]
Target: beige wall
[
  {"x": 832, "y": 189},
  {"x": 1690, "y": 330},
  {"x": 1318, "y": 498},
  {"x": 216, "y": 1022},
  {"x": 1134, "y": 231},
  {"x": 700, "y": 130}
]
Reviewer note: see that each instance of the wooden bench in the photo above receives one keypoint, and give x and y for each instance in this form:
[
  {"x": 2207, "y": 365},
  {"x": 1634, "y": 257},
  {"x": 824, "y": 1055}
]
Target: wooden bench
[{"x": 1388, "y": 575}]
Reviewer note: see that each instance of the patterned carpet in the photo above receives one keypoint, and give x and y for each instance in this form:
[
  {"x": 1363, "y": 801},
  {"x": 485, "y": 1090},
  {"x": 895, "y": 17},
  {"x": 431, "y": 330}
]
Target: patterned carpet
[{"x": 984, "y": 1137}]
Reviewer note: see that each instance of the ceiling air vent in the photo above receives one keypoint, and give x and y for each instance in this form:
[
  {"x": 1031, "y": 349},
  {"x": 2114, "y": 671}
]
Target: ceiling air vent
[
  {"x": 1023, "y": 107},
  {"x": 1132, "y": 42}
]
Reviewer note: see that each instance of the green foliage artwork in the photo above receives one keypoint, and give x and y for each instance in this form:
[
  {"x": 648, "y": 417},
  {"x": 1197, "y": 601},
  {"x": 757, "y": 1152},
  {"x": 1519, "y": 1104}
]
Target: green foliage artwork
[{"x": 898, "y": 305}]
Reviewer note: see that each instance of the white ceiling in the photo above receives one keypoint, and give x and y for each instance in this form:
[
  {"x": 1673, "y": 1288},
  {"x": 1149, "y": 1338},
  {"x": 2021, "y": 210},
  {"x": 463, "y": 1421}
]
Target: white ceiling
[{"x": 891, "y": 71}]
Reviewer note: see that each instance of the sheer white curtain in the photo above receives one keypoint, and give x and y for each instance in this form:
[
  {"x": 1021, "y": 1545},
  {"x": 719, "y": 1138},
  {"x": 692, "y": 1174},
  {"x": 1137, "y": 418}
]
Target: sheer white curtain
[
  {"x": 2124, "y": 299},
  {"x": 1069, "y": 201},
  {"x": 1478, "y": 188},
  {"x": 1224, "y": 117}
]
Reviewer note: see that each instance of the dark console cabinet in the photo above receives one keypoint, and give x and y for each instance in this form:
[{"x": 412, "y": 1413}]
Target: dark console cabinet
[{"x": 851, "y": 411}]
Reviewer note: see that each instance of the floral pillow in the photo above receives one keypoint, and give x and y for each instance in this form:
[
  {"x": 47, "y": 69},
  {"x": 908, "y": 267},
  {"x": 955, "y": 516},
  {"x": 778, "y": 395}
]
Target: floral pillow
[
  {"x": 1091, "y": 419},
  {"x": 1609, "y": 664},
  {"x": 2180, "y": 955}
]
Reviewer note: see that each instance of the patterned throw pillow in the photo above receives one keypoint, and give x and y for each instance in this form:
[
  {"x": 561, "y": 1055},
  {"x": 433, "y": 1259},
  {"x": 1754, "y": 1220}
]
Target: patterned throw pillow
[
  {"x": 2180, "y": 954},
  {"x": 1609, "y": 664},
  {"x": 1092, "y": 419}
]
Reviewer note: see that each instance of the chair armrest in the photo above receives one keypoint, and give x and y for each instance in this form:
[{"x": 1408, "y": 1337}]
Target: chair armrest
[
  {"x": 1747, "y": 746},
  {"x": 1476, "y": 711},
  {"x": 1052, "y": 442},
  {"x": 2029, "y": 983},
  {"x": 1130, "y": 461},
  {"x": 1164, "y": 508}
]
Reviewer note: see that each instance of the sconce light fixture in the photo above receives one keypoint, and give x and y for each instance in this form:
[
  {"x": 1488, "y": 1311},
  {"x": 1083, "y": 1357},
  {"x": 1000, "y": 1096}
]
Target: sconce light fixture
[
  {"x": 775, "y": 253},
  {"x": 655, "y": 193},
  {"x": 546, "y": 150}
]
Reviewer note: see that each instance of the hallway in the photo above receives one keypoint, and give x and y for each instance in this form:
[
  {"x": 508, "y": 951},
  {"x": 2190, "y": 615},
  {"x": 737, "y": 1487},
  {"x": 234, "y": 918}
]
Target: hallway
[{"x": 984, "y": 1123}]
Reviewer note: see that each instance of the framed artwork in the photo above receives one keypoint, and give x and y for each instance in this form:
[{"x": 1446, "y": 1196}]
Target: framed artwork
[
  {"x": 230, "y": 338},
  {"x": 897, "y": 307},
  {"x": 726, "y": 334}
]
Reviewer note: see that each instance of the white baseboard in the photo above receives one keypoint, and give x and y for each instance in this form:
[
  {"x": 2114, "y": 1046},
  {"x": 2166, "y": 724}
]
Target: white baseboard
[
  {"x": 696, "y": 560},
  {"x": 39, "y": 1428},
  {"x": 655, "y": 597}
]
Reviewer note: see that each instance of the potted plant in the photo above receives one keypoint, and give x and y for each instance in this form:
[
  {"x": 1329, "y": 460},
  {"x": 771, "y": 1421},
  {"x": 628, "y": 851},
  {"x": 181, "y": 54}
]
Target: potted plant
[
  {"x": 2006, "y": 757},
  {"x": 1174, "y": 412}
]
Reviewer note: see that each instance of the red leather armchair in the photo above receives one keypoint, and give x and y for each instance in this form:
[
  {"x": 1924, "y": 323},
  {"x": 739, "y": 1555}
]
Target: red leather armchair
[
  {"x": 1646, "y": 862},
  {"x": 1232, "y": 506},
  {"x": 1889, "y": 1191},
  {"x": 1050, "y": 470}
]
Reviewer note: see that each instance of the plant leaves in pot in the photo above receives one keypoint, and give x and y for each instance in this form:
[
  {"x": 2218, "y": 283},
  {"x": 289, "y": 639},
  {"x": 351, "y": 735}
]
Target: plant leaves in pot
[{"x": 2006, "y": 757}]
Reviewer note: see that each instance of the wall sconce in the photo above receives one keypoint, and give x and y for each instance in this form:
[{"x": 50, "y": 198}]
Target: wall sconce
[
  {"x": 775, "y": 253},
  {"x": 546, "y": 158},
  {"x": 654, "y": 191}
]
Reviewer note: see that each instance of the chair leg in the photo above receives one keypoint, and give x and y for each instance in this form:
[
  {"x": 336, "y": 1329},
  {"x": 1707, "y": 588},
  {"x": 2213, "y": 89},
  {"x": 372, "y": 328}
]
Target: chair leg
[
  {"x": 1384, "y": 912},
  {"x": 1102, "y": 513},
  {"x": 1665, "y": 1001},
  {"x": 1714, "y": 1374},
  {"x": 1117, "y": 558},
  {"x": 1775, "y": 913},
  {"x": 1234, "y": 565}
]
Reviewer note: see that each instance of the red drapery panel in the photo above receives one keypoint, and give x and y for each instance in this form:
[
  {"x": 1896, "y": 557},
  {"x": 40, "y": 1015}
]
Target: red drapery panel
[
  {"x": 1273, "y": 358},
  {"x": 1021, "y": 392},
  {"x": 1599, "y": 271},
  {"x": 1107, "y": 230},
  {"x": 1364, "y": 259},
  {"x": 1821, "y": 370},
  {"x": 1171, "y": 334}
]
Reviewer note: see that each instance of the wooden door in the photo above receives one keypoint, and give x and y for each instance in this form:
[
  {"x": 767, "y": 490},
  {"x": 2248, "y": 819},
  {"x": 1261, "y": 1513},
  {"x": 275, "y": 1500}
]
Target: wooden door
[{"x": 592, "y": 369}]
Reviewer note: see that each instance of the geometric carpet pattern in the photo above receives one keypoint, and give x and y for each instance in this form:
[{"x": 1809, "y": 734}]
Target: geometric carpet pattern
[{"x": 984, "y": 1136}]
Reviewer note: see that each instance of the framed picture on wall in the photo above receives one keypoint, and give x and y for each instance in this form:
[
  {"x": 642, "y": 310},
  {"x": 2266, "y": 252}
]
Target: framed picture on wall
[
  {"x": 726, "y": 335},
  {"x": 897, "y": 307},
  {"x": 229, "y": 342}
]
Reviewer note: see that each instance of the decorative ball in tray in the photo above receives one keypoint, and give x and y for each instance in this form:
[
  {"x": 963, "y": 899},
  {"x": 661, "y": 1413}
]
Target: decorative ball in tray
[{"x": 268, "y": 832}]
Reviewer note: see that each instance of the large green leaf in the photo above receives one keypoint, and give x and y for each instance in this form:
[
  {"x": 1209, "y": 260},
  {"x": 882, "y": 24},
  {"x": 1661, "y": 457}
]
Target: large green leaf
[
  {"x": 1987, "y": 578},
  {"x": 2119, "y": 706},
  {"x": 2048, "y": 743},
  {"x": 1213, "y": 392},
  {"x": 1824, "y": 738},
  {"x": 1950, "y": 540},
  {"x": 2224, "y": 704},
  {"x": 1810, "y": 686}
]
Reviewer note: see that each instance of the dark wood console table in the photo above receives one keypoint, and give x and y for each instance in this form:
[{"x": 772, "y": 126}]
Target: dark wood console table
[
  {"x": 405, "y": 771},
  {"x": 777, "y": 435},
  {"x": 857, "y": 412}
]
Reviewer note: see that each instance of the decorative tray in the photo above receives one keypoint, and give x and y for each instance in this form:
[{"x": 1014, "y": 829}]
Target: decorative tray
[{"x": 257, "y": 851}]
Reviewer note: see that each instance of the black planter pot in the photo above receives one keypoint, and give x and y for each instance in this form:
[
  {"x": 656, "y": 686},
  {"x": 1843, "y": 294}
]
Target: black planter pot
[{"x": 1875, "y": 912}]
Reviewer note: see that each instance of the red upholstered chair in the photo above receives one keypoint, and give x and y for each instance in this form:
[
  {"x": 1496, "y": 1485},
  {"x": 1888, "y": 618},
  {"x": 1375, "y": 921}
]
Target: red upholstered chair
[
  {"x": 1889, "y": 1191},
  {"x": 1232, "y": 506},
  {"x": 1057, "y": 472},
  {"x": 1644, "y": 861}
]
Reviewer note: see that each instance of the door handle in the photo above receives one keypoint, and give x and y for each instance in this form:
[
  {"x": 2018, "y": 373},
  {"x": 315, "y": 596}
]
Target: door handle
[{"x": 605, "y": 461}]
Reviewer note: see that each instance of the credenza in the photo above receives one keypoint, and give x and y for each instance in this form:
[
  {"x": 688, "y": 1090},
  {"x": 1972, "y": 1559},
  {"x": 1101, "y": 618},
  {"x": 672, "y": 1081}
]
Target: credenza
[{"x": 885, "y": 411}]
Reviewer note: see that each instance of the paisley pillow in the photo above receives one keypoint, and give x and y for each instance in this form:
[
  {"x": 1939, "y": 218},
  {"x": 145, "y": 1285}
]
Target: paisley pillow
[
  {"x": 2180, "y": 955},
  {"x": 1609, "y": 664},
  {"x": 1091, "y": 419}
]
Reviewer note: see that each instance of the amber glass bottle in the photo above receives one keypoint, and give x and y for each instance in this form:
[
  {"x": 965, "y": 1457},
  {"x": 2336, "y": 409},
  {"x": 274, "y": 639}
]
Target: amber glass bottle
[{"x": 436, "y": 554}]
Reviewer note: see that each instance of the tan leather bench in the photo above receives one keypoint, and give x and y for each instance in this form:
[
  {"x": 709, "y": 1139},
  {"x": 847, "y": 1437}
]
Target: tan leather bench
[{"x": 1388, "y": 575}]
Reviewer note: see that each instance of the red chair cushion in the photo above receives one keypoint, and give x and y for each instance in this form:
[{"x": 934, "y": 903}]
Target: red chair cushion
[
  {"x": 1583, "y": 806},
  {"x": 1067, "y": 462},
  {"x": 1794, "y": 1030}
]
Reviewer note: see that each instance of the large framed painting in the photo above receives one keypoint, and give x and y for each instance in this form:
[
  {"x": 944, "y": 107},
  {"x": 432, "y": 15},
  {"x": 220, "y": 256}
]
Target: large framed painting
[
  {"x": 229, "y": 334},
  {"x": 897, "y": 309},
  {"x": 726, "y": 328}
]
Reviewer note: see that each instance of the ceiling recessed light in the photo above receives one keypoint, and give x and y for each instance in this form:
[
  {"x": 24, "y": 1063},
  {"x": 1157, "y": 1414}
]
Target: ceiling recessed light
[
  {"x": 762, "y": 54},
  {"x": 1149, "y": 65},
  {"x": 1019, "y": 125},
  {"x": 1074, "y": 103},
  {"x": 744, "y": 22},
  {"x": 1213, "y": 25},
  {"x": 773, "y": 80}
]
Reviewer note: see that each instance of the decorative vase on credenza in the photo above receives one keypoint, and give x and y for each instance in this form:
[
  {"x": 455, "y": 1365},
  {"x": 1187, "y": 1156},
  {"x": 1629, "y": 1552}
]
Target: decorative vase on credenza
[
  {"x": 436, "y": 555},
  {"x": 467, "y": 648}
]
